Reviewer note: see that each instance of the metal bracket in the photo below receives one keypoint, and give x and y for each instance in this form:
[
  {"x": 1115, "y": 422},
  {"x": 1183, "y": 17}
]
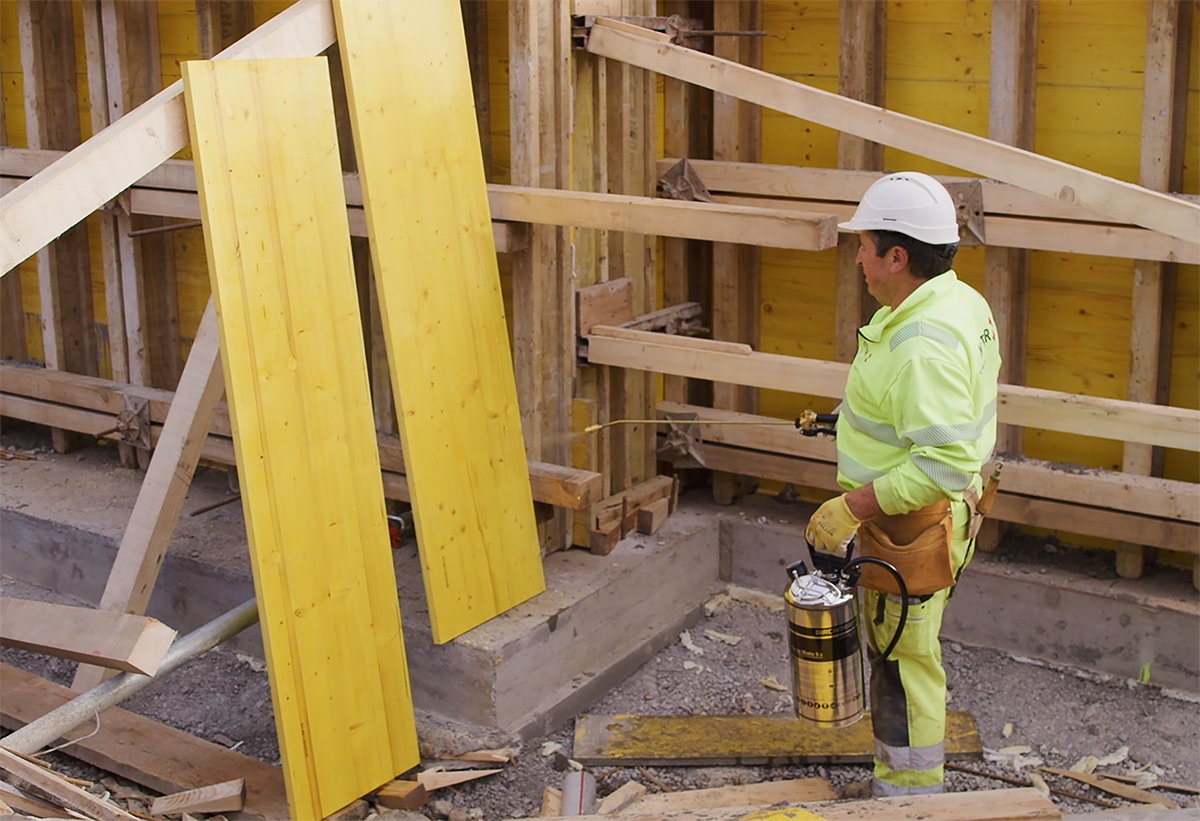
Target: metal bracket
[
  {"x": 968, "y": 199},
  {"x": 681, "y": 182},
  {"x": 680, "y": 29},
  {"x": 133, "y": 423}
]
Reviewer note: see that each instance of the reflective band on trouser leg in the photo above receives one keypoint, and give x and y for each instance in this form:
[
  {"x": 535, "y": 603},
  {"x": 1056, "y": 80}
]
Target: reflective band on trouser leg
[{"x": 908, "y": 695}]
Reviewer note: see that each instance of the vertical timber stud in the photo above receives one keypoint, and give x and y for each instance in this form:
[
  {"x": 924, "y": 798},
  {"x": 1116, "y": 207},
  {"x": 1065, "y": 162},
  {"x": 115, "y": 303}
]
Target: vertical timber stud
[
  {"x": 862, "y": 53},
  {"x": 99, "y": 64},
  {"x": 131, "y": 31},
  {"x": 543, "y": 359},
  {"x": 13, "y": 344},
  {"x": 687, "y": 134},
  {"x": 1006, "y": 278},
  {"x": 736, "y": 268},
  {"x": 46, "y": 33},
  {"x": 1164, "y": 107}
]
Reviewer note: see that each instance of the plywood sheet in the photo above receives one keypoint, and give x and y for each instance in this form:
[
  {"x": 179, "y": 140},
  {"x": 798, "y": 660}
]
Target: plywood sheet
[
  {"x": 279, "y": 256},
  {"x": 425, "y": 196}
]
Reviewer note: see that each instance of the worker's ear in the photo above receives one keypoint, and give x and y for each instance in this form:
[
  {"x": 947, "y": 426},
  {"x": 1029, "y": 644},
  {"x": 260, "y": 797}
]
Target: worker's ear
[{"x": 898, "y": 257}]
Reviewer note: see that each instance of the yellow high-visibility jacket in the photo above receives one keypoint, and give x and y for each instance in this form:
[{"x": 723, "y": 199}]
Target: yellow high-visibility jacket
[{"x": 919, "y": 417}]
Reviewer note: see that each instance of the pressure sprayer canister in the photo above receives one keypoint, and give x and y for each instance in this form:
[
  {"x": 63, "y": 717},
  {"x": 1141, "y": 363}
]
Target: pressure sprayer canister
[{"x": 827, "y": 668}]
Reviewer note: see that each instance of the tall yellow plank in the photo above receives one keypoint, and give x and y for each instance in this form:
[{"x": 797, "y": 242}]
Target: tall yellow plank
[
  {"x": 424, "y": 192},
  {"x": 280, "y": 262}
]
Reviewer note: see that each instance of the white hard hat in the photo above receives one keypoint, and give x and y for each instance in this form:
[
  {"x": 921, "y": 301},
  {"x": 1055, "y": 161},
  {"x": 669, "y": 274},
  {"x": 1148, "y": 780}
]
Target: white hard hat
[{"x": 909, "y": 203}]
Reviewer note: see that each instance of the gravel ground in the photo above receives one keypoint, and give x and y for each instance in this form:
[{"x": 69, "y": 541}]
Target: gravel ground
[{"x": 1061, "y": 714}]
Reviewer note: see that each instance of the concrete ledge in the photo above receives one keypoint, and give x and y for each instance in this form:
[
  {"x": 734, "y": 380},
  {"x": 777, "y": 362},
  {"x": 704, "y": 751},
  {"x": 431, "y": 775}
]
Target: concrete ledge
[{"x": 521, "y": 674}]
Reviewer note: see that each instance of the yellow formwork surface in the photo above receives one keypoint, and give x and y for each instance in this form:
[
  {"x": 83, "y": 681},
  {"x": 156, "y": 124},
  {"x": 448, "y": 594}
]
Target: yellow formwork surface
[
  {"x": 425, "y": 196},
  {"x": 278, "y": 243}
]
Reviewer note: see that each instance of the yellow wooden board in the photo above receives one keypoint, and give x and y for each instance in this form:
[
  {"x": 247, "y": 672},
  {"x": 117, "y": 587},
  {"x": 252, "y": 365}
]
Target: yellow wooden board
[
  {"x": 425, "y": 196},
  {"x": 278, "y": 244},
  {"x": 713, "y": 741}
]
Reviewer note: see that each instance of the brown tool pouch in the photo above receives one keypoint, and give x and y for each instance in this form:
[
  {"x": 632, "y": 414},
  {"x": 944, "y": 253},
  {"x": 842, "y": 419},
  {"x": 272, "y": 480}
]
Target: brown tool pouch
[{"x": 917, "y": 544}]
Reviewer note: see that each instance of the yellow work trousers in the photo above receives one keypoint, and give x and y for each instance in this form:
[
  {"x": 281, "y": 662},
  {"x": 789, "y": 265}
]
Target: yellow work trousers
[{"x": 908, "y": 688}]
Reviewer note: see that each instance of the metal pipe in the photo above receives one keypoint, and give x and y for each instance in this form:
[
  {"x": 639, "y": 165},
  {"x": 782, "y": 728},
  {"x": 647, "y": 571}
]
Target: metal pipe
[{"x": 53, "y": 725}]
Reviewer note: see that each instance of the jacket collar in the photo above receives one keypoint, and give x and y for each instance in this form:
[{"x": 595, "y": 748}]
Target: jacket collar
[{"x": 913, "y": 304}]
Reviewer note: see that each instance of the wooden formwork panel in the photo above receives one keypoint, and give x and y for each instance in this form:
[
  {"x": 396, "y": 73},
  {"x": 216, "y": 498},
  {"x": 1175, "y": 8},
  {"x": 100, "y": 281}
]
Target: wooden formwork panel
[
  {"x": 278, "y": 242},
  {"x": 425, "y": 196}
]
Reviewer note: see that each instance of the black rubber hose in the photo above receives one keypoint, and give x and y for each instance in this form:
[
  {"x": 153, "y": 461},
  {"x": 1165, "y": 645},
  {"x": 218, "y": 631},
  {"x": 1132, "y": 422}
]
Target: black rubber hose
[{"x": 861, "y": 560}]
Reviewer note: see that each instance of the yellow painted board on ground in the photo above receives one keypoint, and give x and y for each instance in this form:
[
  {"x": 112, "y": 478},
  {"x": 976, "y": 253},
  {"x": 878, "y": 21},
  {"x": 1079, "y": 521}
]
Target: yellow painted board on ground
[
  {"x": 270, "y": 182},
  {"x": 424, "y": 192}
]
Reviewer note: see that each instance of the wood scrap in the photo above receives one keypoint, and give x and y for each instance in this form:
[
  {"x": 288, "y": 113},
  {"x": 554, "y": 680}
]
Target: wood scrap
[
  {"x": 437, "y": 778},
  {"x": 551, "y": 803},
  {"x": 791, "y": 791},
  {"x": 620, "y": 798},
  {"x": 228, "y": 796},
  {"x": 651, "y": 517},
  {"x": 1161, "y": 785},
  {"x": 987, "y": 805},
  {"x": 740, "y": 739},
  {"x": 27, "y": 804},
  {"x": 31, "y": 777},
  {"x": 1118, "y": 788},
  {"x": 402, "y": 795},
  {"x": 502, "y": 755},
  {"x": 1008, "y": 779}
]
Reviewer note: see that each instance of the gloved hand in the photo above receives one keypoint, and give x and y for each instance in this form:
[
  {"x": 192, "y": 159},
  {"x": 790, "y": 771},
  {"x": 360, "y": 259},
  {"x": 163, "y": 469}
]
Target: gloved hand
[{"x": 832, "y": 527}]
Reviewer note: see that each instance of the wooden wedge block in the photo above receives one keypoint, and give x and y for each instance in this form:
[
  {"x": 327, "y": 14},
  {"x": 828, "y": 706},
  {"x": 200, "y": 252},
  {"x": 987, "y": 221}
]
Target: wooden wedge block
[
  {"x": 228, "y": 796},
  {"x": 614, "y": 508},
  {"x": 728, "y": 740},
  {"x": 402, "y": 795},
  {"x": 437, "y": 779},
  {"x": 551, "y": 803},
  {"x": 605, "y": 303},
  {"x": 602, "y": 541},
  {"x": 651, "y": 517},
  {"x": 791, "y": 791},
  {"x": 119, "y": 641}
]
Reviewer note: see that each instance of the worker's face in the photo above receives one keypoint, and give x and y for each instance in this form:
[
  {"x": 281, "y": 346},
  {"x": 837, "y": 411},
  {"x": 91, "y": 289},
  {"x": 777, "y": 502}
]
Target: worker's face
[{"x": 883, "y": 274}]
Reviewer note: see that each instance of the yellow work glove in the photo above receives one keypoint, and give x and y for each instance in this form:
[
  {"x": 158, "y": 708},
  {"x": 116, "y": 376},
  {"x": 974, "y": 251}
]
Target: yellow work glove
[{"x": 832, "y": 527}]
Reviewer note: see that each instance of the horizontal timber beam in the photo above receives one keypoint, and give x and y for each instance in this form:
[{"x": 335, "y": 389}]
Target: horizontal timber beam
[
  {"x": 97, "y": 171},
  {"x": 1121, "y": 200},
  {"x": 1149, "y": 496},
  {"x": 1029, "y": 407},
  {"x": 90, "y": 405},
  {"x": 170, "y": 191}
]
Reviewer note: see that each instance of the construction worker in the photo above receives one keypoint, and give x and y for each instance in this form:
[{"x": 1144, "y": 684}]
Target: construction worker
[{"x": 916, "y": 426}]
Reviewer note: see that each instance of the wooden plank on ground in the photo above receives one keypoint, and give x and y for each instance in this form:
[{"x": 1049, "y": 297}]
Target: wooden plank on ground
[
  {"x": 27, "y": 775},
  {"x": 791, "y": 791},
  {"x": 165, "y": 486},
  {"x": 726, "y": 740},
  {"x": 228, "y": 796},
  {"x": 281, "y": 268},
  {"x": 142, "y": 750},
  {"x": 443, "y": 312},
  {"x": 119, "y": 641},
  {"x": 1021, "y": 804},
  {"x": 1128, "y": 202}
]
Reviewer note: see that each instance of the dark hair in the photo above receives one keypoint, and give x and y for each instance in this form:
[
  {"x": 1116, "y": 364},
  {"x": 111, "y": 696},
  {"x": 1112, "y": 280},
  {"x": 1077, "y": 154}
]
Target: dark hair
[{"x": 924, "y": 260}]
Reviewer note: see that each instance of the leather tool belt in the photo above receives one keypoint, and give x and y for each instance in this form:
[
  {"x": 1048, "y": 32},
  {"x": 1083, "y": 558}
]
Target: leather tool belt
[{"x": 917, "y": 544}]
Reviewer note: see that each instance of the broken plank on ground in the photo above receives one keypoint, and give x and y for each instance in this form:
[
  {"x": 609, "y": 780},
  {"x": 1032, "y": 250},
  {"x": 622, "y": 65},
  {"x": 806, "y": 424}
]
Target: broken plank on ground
[
  {"x": 725, "y": 740},
  {"x": 1114, "y": 787},
  {"x": 143, "y": 750},
  {"x": 32, "y": 777},
  {"x": 791, "y": 791},
  {"x": 987, "y": 805}
]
